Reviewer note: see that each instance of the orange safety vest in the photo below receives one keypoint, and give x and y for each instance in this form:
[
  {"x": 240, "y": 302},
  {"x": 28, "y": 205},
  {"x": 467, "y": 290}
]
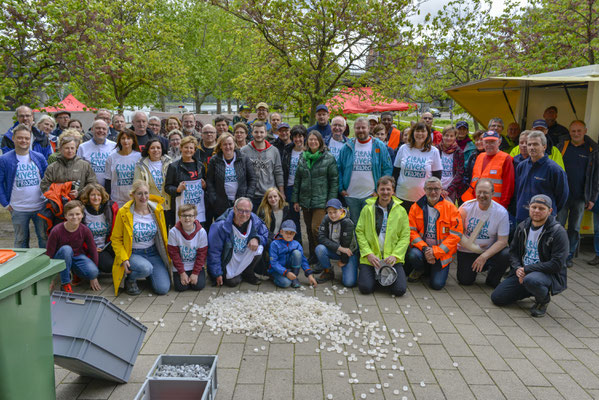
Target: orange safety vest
[{"x": 492, "y": 171}]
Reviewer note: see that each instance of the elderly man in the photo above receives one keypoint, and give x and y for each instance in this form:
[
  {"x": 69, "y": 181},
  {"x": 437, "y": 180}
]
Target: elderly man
[
  {"x": 495, "y": 165},
  {"x": 143, "y": 133},
  {"x": 41, "y": 142},
  {"x": 428, "y": 120},
  {"x": 338, "y": 139},
  {"x": 555, "y": 131},
  {"x": 539, "y": 175},
  {"x": 362, "y": 161},
  {"x": 393, "y": 134},
  {"x": 435, "y": 230},
  {"x": 206, "y": 145},
  {"x": 21, "y": 172},
  {"x": 97, "y": 150},
  {"x": 188, "y": 120},
  {"x": 383, "y": 235},
  {"x": 237, "y": 240},
  {"x": 484, "y": 243},
  {"x": 538, "y": 255},
  {"x": 104, "y": 115},
  {"x": 322, "y": 122},
  {"x": 581, "y": 159},
  {"x": 221, "y": 125},
  {"x": 155, "y": 125},
  {"x": 118, "y": 123},
  {"x": 62, "y": 119}
]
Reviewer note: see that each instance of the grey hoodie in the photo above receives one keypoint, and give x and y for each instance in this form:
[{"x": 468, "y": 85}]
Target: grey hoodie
[{"x": 267, "y": 167}]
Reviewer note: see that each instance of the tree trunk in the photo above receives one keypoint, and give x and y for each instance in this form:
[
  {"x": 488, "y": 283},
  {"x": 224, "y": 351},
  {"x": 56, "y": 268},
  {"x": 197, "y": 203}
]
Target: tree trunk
[
  {"x": 162, "y": 99},
  {"x": 229, "y": 107},
  {"x": 313, "y": 104},
  {"x": 219, "y": 106},
  {"x": 198, "y": 101},
  {"x": 475, "y": 124}
]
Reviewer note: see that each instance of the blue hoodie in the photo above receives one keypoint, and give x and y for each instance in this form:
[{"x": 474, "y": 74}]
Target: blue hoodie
[
  {"x": 542, "y": 177},
  {"x": 324, "y": 130},
  {"x": 280, "y": 251}
]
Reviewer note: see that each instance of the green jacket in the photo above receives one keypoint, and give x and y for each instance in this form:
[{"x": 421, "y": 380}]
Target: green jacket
[
  {"x": 397, "y": 237},
  {"x": 313, "y": 187}
]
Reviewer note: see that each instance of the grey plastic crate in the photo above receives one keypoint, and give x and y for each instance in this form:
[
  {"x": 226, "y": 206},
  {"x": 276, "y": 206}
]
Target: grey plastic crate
[
  {"x": 168, "y": 359},
  {"x": 175, "y": 389},
  {"x": 93, "y": 337}
]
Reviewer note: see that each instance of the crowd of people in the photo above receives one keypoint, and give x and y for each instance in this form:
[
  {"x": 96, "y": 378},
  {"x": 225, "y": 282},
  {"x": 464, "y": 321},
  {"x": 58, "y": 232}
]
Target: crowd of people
[{"x": 179, "y": 203}]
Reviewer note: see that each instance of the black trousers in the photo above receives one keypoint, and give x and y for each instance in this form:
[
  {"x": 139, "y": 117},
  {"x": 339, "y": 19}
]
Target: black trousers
[
  {"x": 106, "y": 259},
  {"x": 179, "y": 287},
  {"x": 247, "y": 274},
  {"x": 496, "y": 267},
  {"x": 367, "y": 280}
]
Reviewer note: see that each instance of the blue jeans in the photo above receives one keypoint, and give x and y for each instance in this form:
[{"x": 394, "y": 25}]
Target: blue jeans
[
  {"x": 20, "y": 223},
  {"x": 81, "y": 265},
  {"x": 294, "y": 261},
  {"x": 349, "y": 272},
  {"x": 147, "y": 263},
  {"x": 509, "y": 291},
  {"x": 294, "y": 215},
  {"x": 572, "y": 212},
  {"x": 355, "y": 206},
  {"x": 415, "y": 260}
]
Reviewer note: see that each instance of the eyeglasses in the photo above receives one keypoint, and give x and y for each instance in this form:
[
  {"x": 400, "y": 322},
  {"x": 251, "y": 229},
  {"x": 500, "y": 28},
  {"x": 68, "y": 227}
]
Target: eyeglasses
[
  {"x": 188, "y": 216},
  {"x": 427, "y": 118},
  {"x": 209, "y": 133},
  {"x": 429, "y": 189},
  {"x": 243, "y": 212}
]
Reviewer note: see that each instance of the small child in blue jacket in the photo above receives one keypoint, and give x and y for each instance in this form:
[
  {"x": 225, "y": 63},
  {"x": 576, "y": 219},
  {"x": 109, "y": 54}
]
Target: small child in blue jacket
[{"x": 286, "y": 257}]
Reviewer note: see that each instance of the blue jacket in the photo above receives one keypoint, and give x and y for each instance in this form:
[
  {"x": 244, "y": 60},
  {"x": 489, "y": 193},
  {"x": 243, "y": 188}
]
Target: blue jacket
[
  {"x": 325, "y": 131},
  {"x": 41, "y": 143},
  {"x": 220, "y": 240},
  {"x": 542, "y": 177},
  {"x": 8, "y": 170},
  {"x": 381, "y": 162},
  {"x": 280, "y": 251}
]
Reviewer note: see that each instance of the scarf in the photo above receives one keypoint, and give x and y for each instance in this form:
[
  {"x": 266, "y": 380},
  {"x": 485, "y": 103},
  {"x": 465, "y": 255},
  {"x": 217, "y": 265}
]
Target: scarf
[
  {"x": 450, "y": 149},
  {"x": 311, "y": 157},
  {"x": 463, "y": 142}
]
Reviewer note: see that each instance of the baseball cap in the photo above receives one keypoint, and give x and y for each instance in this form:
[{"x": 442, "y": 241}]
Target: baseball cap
[
  {"x": 288, "y": 225},
  {"x": 542, "y": 199},
  {"x": 283, "y": 125},
  {"x": 61, "y": 112},
  {"x": 322, "y": 107},
  {"x": 261, "y": 104},
  {"x": 462, "y": 124},
  {"x": 245, "y": 108},
  {"x": 335, "y": 203},
  {"x": 539, "y": 123},
  {"x": 373, "y": 118},
  {"x": 490, "y": 135}
]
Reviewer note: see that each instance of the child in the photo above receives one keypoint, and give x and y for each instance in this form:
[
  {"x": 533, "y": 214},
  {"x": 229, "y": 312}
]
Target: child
[
  {"x": 188, "y": 247},
  {"x": 337, "y": 241},
  {"x": 73, "y": 242},
  {"x": 286, "y": 256}
]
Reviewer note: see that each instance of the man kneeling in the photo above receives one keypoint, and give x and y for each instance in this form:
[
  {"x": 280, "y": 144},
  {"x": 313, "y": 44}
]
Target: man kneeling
[
  {"x": 236, "y": 243},
  {"x": 484, "y": 243},
  {"x": 538, "y": 255}
]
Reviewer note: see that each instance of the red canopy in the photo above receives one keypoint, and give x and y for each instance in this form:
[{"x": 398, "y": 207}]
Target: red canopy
[
  {"x": 69, "y": 103},
  {"x": 362, "y": 100}
]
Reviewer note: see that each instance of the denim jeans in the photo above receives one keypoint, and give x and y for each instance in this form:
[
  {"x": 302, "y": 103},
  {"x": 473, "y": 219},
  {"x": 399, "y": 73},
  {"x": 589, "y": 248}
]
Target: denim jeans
[
  {"x": 367, "y": 280},
  {"x": 20, "y": 222},
  {"x": 294, "y": 261},
  {"x": 294, "y": 215},
  {"x": 509, "y": 291},
  {"x": 496, "y": 267},
  {"x": 81, "y": 265},
  {"x": 572, "y": 212},
  {"x": 198, "y": 286},
  {"x": 355, "y": 207},
  {"x": 349, "y": 272},
  {"x": 147, "y": 263},
  {"x": 415, "y": 260}
]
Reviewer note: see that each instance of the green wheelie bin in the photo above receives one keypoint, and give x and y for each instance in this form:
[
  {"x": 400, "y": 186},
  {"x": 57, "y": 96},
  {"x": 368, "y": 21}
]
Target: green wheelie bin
[{"x": 26, "y": 355}]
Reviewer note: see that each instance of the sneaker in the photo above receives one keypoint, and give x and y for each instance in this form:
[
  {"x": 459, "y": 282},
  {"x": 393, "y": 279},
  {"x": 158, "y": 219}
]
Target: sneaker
[
  {"x": 76, "y": 281},
  {"x": 538, "y": 310},
  {"x": 295, "y": 284},
  {"x": 67, "y": 288},
  {"x": 569, "y": 263},
  {"x": 326, "y": 276},
  {"x": 415, "y": 275},
  {"x": 131, "y": 287},
  {"x": 252, "y": 280},
  {"x": 594, "y": 261},
  {"x": 316, "y": 268}
]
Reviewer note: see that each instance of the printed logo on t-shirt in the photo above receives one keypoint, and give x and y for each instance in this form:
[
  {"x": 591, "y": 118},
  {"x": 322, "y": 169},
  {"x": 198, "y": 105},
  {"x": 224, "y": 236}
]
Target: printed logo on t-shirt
[
  {"x": 431, "y": 228},
  {"x": 144, "y": 232},
  {"x": 158, "y": 179},
  {"x": 188, "y": 254},
  {"x": 98, "y": 161},
  {"x": 293, "y": 165},
  {"x": 447, "y": 167},
  {"x": 239, "y": 244},
  {"x": 230, "y": 175},
  {"x": 99, "y": 229},
  {"x": 124, "y": 174},
  {"x": 362, "y": 161},
  {"x": 415, "y": 167},
  {"x": 27, "y": 175},
  {"x": 484, "y": 232},
  {"x": 531, "y": 255}
]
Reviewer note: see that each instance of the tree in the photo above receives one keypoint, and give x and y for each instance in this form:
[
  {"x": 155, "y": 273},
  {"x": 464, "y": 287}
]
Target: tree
[{"x": 319, "y": 46}]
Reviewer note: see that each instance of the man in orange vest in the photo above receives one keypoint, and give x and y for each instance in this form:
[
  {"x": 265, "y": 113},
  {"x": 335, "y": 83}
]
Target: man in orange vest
[
  {"x": 435, "y": 231},
  {"x": 496, "y": 166}
]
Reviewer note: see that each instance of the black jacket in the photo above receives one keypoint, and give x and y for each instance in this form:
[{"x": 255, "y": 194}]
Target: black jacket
[
  {"x": 177, "y": 173},
  {"x": 347, "y": 237},
  {"x": 553, "y": 251},
  {"x": 215, "y": 181},
  {"x": 286, "y": 161}
]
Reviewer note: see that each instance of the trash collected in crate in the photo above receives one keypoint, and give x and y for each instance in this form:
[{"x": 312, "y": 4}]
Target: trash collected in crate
[{"x": 183, "y": 371}]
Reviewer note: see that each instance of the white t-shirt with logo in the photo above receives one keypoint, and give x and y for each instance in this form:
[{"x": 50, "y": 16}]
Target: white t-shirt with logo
[
  {"x": 383, "y": 231},
  {"x": 295, "y": 156},
  {"x": 362, "y": 182},
  {"x": 416, "y": 166},
  {"x": 97, "y": 155},
  {"x": 120, "y": 170},
  {"x": 242, "y": 255},
  {"x": 144, "y": 231},
  {"x": 26, "y": 195},
  {"x": 335, "y": 148},
  {"x": 431, "y": 226},
  {"x": 99, "y": 227},
  {"x": 156, "y": 171},
  {"x": 498, "y": 223},
  {"x": 187, "y": 248},
  {"x": 447, "y": 173},
  {"x": 231, "y": 179},
  {"x": 531, "y": 253}
]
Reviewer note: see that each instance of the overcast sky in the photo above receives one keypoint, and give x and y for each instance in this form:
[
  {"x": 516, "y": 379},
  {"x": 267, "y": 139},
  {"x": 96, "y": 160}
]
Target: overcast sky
[{"x": 433, "y": 6}]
